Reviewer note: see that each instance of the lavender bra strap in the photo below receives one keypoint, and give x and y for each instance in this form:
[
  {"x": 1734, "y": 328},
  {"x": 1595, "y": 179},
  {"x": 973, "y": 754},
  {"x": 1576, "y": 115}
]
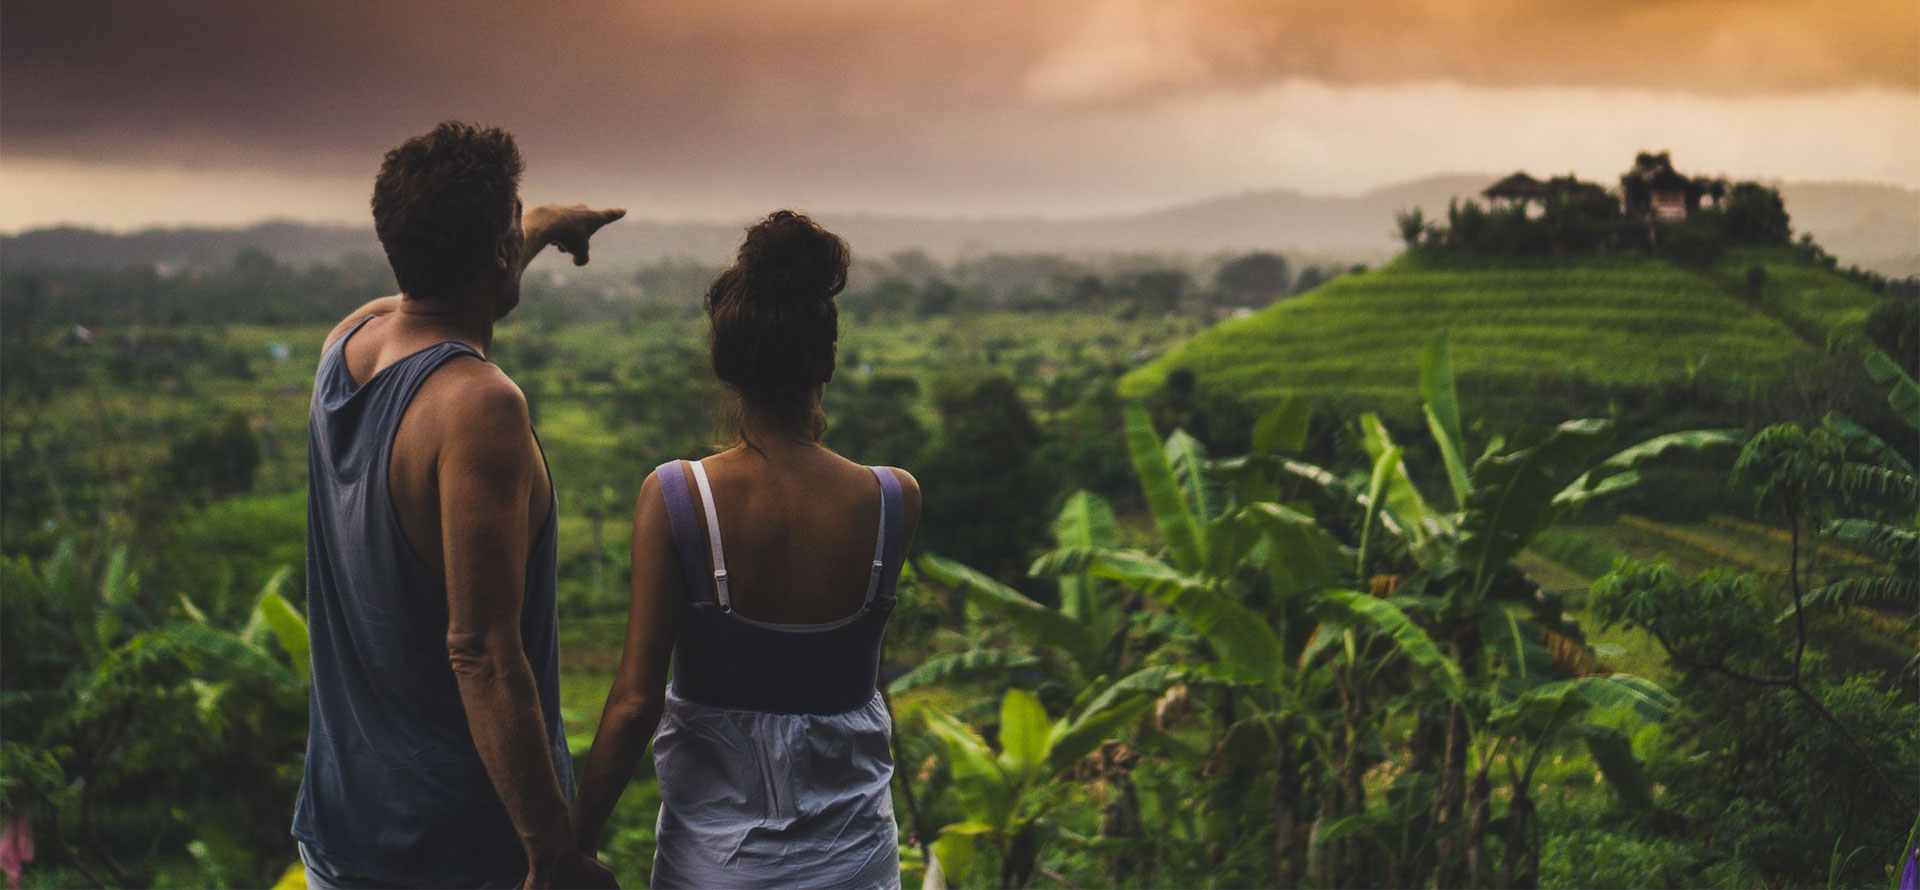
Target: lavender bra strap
[{"x": 686, "y": 531}]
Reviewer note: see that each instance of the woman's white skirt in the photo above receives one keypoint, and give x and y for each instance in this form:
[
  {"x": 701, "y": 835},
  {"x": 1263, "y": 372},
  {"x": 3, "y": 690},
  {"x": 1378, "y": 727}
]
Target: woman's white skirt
[{"x": 752, "y": 799}]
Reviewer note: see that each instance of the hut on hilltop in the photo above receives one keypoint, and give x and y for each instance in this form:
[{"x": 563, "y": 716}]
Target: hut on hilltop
[
  {"x": 1654, "y": 191},
  {"x": 1533, "y": 196}
]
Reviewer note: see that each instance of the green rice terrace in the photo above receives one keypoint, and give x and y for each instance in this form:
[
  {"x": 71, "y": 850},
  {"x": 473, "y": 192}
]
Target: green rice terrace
[{"x": 1629, "y": 320}]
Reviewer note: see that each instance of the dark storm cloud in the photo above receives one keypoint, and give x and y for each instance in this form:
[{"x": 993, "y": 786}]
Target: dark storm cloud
[
  {"x": 220, "y": 83},
  {"x": 711, "y": 87}
]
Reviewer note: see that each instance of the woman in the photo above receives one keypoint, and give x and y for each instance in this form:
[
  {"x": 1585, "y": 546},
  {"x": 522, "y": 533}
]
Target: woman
[{"x": 765, "y": 574}]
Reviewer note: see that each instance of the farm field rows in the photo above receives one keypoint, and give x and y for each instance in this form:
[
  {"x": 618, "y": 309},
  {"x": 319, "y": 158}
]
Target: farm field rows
[{"x": 1620, "y": 320}]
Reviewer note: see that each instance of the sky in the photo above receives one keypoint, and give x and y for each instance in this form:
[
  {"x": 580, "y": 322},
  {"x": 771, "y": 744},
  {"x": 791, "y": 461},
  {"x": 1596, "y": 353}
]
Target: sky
[{"x": 121, "y": 114}]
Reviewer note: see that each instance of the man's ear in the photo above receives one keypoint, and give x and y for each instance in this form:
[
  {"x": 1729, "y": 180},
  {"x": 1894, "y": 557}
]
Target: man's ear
[{"x": 505, "y": 253}]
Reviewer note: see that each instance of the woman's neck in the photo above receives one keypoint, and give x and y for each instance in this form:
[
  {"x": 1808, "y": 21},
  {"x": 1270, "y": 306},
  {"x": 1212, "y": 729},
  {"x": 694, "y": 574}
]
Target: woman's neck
[{"x": 766, "y": 430}]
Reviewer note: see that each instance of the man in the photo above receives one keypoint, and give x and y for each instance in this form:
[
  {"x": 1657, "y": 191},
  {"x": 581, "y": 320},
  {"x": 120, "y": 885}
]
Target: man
[{"x": 436, "y": 756}]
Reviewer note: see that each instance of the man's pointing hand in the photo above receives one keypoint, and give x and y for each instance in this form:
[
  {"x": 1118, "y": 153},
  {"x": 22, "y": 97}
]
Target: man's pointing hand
[{"x": 565, "y": 227}]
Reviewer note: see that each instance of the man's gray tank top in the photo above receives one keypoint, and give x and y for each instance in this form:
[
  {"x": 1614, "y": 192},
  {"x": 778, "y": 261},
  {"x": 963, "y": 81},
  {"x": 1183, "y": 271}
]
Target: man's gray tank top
[{"x": 394, "y": 789}]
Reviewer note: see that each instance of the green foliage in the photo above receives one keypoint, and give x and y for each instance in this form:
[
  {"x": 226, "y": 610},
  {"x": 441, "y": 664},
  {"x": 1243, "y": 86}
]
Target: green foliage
[
  {"x": 1182, "y": 530},
  {"x": 219, "y": 462},
  {"x": 1756, "y": 215},
  {"x": 1514, "y": 494},
  {"x": 874, "y": 421},
  {"x": 1441, "y": 403},
  {"x": 116, "y": 697},
  {"x": 1254, "y": 279},
  {"x": 980, "y": 475},
  {"x": 1894, "y": 327},
  {"x": 1004, "y": 796}
]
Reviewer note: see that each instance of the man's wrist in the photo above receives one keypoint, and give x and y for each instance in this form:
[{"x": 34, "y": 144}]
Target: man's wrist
[{"x": 551, "y": 848}]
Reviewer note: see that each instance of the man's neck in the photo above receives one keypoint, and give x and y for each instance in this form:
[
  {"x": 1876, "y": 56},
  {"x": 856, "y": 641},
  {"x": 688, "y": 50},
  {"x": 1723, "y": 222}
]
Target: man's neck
[{"x": 469, "y": 320}]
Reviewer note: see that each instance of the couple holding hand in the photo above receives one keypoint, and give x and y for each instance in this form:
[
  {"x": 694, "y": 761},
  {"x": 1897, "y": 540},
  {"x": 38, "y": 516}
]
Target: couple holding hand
[{"x": 763, "y": 577}]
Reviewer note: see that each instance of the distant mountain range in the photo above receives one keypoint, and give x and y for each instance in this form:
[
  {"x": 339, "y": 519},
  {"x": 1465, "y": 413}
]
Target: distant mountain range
[{"x": 1875, "y": 226}]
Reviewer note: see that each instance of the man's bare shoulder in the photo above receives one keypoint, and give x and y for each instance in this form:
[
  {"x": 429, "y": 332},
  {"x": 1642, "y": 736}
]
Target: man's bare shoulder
[
  {"x": 382, "y": 306},
  {"x": 470, "y": 396}
]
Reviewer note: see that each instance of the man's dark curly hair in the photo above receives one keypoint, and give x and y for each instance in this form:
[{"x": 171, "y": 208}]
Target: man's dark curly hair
[{"x": 441, "y": 203}]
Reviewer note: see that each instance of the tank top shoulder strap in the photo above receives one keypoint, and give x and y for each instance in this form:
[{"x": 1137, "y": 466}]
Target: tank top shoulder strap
[
  {"x": 331, "y": 377},
  {"x": 893, "y": 524},
  {"x": 683, "y": 516}
]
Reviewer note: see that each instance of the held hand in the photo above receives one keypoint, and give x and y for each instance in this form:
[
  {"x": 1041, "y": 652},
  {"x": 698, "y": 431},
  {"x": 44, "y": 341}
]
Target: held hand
[
  {"x": 573, "y": 871},
  {"x": 565, "y": 227}
]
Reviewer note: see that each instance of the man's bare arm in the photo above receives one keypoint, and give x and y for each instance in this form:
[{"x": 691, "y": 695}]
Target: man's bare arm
[
  {"x": 637, "y": 697},
  {"x": 566, "y": 227},
  {"x": 486, "y": 475}
]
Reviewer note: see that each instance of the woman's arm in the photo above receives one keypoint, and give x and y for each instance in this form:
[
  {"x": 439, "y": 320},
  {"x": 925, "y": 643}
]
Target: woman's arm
[{"x": 639, "y": 689}]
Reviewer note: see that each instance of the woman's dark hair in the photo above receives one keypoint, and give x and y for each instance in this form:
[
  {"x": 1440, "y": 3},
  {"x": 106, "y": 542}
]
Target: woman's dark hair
[{"x": 774, "y": 320}]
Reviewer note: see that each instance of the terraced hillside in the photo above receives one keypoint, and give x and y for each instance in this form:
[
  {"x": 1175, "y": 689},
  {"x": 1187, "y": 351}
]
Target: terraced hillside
[
  {"x": 1810, "y": 298},
  {"x": 1620, "y": 320}
]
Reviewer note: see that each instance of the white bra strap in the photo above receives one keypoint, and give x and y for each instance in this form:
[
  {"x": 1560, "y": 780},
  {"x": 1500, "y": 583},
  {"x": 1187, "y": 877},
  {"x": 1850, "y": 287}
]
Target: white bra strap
[
  {"x": 713, "y": 537},
  {"x": 879, "y": 548}
]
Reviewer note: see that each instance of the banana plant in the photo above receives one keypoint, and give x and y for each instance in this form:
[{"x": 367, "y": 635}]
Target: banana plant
[
  {"x": 1520, "y": 732},
  {"x": 1007, "y": 794},
  {"x": 146, "y": 681},
  {"x": 1455, "y": 588},
  {"x": 1086, "y": 635}
]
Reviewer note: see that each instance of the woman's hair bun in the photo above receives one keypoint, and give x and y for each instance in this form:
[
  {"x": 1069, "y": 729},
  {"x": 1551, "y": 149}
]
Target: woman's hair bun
[
  {"x": 788, "y": 256},
  {"x": 774, "y": 322}
]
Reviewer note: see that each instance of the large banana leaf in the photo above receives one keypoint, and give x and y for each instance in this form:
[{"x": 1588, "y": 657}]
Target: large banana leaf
[
  {"x": 1615, "y": 473},
  {"x": 1442, "y": 408},
  {"x": 1085, "y": 521},
  {"x": 962, "y": 665},
  {"x": 1584, "y": 489},
  {"x": 1403, "y": 498},
  {"x": 1283, "y": 430},
  {"x": 1233, "y": 544},
  {"x": 1613, "y": 752},
  {"x": 1904, "y": 397},
  {"x": 1517, "y": 643},
  {"x": 1412, "y": 641},
  {"x": 1074, "y": 740},
  {"x": 1024, "y": 734},
  {"x": 1188, "y": 458},
  {"x": 1301, "y": 554},
  {"x": 1237, "y": 634},
  {"x": 273, "y": 615},
  {"x": 1178, "y": 527},
  {"x": 985, "y": 793},
  {"x": 1338, "y": 491},
  {"x": 227, "y": 650},
  {"x": 117, "y": 589},
  {"x": 1644, "y": 696},
  {"x": 1383, "y": 469},
  {"x": 1513, "y": 494},
  {"x": 953, "y": 859},
  {"x": 1539, "y": 713},
  {"x": 1149, "y": 681},
  {"x": 1038, "y": 623}
]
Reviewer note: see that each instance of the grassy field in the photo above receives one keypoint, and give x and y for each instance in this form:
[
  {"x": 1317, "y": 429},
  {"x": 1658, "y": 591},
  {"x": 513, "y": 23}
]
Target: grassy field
[{"x": 1627, "y": 320}]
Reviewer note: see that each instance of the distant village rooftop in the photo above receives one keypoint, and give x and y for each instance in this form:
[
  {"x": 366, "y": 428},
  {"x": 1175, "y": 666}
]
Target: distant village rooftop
[{"x": 1652, "y": 189}]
